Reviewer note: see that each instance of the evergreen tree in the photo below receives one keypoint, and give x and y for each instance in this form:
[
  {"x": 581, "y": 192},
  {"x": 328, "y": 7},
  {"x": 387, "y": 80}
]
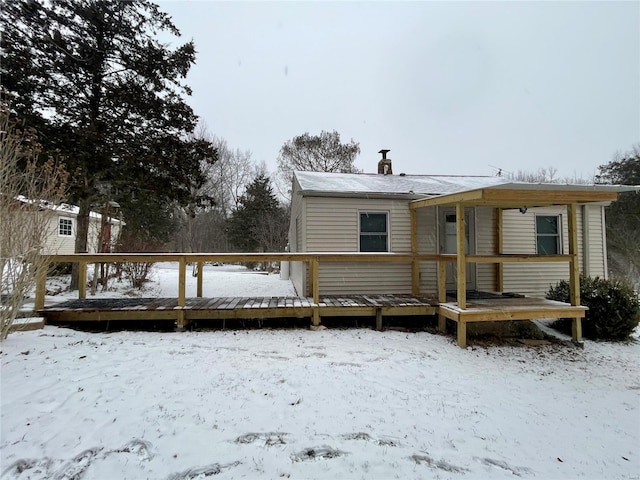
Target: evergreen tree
[
  {"x": 100, "y": 87},
  {"x": 623, "y": 216},
  {"x": 257, "y": 206}
]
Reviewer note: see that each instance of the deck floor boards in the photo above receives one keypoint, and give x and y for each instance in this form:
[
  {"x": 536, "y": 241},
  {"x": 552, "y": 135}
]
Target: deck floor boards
[
  {"x": 227, "y": 307},
  {"x": 288, "y": 307}
]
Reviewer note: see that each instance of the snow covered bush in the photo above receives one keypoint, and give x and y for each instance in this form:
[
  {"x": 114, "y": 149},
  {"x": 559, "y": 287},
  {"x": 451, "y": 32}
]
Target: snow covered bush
[{"x": 614, "y": 308}]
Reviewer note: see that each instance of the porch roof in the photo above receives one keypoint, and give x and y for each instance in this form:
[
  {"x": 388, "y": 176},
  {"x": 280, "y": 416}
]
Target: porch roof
[{"x": 517, "y": 194}]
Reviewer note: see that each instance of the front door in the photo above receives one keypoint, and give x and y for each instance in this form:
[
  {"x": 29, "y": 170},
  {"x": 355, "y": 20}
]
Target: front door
[{"x": 449, "y": 244}]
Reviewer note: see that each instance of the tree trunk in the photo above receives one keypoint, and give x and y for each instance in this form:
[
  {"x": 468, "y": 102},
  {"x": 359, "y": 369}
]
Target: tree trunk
[{"x": 82, "y": 233}]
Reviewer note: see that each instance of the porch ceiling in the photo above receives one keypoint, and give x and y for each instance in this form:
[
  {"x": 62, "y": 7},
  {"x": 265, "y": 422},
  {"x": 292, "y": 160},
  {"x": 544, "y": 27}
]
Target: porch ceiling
[{"x": 538, "y": 196}]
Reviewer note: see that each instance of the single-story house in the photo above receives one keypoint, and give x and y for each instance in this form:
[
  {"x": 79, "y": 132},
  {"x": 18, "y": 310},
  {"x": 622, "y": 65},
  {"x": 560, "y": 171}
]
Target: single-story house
[
  {"x": 63, "y": 228},
  {"x": 518, "y": 237}
]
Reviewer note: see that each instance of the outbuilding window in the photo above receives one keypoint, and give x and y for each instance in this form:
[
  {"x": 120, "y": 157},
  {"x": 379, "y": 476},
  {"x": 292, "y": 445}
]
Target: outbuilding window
[
  {"x": 65, "y": 227},
  {"x": 548, "y": 235},
  {"x": 374, "y": 232}
]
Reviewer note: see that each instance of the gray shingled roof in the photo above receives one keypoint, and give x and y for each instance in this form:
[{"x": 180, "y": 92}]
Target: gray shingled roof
[{"x": 367, "y": 183}]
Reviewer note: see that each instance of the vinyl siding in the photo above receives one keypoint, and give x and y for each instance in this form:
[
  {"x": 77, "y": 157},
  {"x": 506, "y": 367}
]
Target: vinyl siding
[
  {"x": 332, "y": 226},
  {"x": 57, "y": 244},
  {"x": 297, "y": 270},
  {"x": 62, "y": 245},
  {"x": 534, "y": 279},
  {"x": 427, "y": 244},
  {"x": 486, "y": 245},
  {"x": 595, "y": 236}
]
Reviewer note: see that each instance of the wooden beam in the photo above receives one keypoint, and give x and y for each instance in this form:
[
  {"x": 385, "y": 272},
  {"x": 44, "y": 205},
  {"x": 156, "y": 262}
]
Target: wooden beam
[
  {"x": 462, "y": 254},
  {"x": 199, "y": 266},
  {"x": 82, "y": 280},
  {"x": 514, "y": 198},
  {"x": 518, "y": 258},
  {"x": 576, "y": 329},
  {"x": 415, "y": 264},
  {"x": 315, "y": 270},
  {"x": 499, "y": 250},
  {"x": 471, "y": 196},
  {"x": 379, "y": 319},
  {"x": 182, "y": 288},
  {"x": 462, "y": 334},
  {"x": 533, "y": 197},
  {"x": 442, "y": 294},
  {"x": 41, "y": 283},
  {"x": 574, "y": 264}
]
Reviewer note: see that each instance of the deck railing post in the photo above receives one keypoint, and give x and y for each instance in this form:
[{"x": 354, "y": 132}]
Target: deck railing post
[
  {"x": 41, "y": 283},
  {"x": 199, "y": 267},
  {"x": 461, "y": 256},
  {"x": 574, "y": 269},
  {"x": 82, "y": 280},
  {"x": 315, "y": 268},
  {"x": 182, "y": 287},
  {"x": 442, "y": 293}
]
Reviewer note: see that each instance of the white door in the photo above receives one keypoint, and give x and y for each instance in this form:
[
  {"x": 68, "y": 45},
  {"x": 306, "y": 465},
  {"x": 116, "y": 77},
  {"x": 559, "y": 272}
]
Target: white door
[{"x": 449, "y": 244}]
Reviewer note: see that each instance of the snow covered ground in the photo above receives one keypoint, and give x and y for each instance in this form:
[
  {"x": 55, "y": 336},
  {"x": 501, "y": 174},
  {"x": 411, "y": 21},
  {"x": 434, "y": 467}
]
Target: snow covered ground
[{"x": 347, "y": 403}]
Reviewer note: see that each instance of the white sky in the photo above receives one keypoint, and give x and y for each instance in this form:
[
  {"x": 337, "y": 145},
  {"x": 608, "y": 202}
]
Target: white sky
[{"x": 449, "y": 87}]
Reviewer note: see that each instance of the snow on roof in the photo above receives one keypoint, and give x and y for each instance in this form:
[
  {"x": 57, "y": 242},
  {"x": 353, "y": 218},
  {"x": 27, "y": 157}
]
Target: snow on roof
[
  {"x": 366, "y": 183},
  {"x": 425, "y": 185},
  {"x": 63, "y": 208}
]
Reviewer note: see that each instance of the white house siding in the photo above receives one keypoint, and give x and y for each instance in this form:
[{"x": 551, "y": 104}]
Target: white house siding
[
  {"x": 486, "y": 245},
  {"x": 62, "y": 245},
  {"x": 297, "y": 270},
  {"x": 57, "y": 244},
  {"x": 427, "y": 244},
  {"x": 534, "y": 279},
  {"x": 597, "y": 265},
  {"x": 332, "y": 226}
]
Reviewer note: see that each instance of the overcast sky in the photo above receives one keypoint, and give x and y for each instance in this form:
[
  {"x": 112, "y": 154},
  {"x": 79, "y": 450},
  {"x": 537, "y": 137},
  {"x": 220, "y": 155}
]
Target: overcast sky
[{"x": 448, "y": 87}]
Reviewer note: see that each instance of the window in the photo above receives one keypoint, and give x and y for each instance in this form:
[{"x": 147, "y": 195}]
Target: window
[
  {"x": 374, "y": 235},
  {"x": 548, "y": 234},
  {"x": 65, "y": 227}
]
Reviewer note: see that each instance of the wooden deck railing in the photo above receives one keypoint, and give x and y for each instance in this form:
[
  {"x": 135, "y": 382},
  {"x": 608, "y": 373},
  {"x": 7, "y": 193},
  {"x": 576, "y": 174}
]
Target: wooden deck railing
[{"x": 312, "y": 259}]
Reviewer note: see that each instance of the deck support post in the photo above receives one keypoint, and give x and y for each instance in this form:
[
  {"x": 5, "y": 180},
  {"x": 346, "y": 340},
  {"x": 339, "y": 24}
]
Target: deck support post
[
  {"x": 82, "y": 280},
  {"x": 461, "y": 256},
  {"x": 415, "y": 264},
  {"x": 41, "y": 284},
  {"x": 500, "y": 251},
  {"x": 462, "y": 333},
  {"x": 574, "y": 269},
  {"x": 379, "y": 319},
  {"x": 199, "y": 266},
  {"x": 182, "y": 289},
  {"x": 315, "y": 290},
  {"x": 442, "y": 294}
]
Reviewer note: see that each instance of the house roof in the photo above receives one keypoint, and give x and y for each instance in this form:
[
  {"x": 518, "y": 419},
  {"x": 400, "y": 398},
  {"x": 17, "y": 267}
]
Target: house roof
[
  {"x": 323, "y": 183},
  {"x": 431, "y": 190},
  {"x": 65, "y": 209}
]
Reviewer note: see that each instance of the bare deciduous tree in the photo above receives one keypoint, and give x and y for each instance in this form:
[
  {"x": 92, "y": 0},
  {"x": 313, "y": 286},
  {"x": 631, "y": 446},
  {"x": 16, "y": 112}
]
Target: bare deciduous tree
[
  {"x": 315, "y": 153},
  {"x": 28, "y": 191}
]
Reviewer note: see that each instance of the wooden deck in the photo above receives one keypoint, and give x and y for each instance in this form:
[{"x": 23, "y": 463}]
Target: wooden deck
[
  {"x": 237, "y": 307},
  {"x": 493, "y": 308}
]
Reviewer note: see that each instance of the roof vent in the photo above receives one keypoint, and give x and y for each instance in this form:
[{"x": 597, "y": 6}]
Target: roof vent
[{"x": 384, "y": 165}]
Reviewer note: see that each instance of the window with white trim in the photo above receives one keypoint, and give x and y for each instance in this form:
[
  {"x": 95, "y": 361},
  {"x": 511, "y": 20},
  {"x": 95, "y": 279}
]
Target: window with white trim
[
  {"x": 65, "y": 227},
  {"x": 548, "y": 235},
  {"x": 374, "y": 232}
]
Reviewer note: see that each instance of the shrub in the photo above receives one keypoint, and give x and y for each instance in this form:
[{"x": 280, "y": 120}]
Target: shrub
[
  {"x": 614, "y": 308},
  {"x": 137, "y": 273}
]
